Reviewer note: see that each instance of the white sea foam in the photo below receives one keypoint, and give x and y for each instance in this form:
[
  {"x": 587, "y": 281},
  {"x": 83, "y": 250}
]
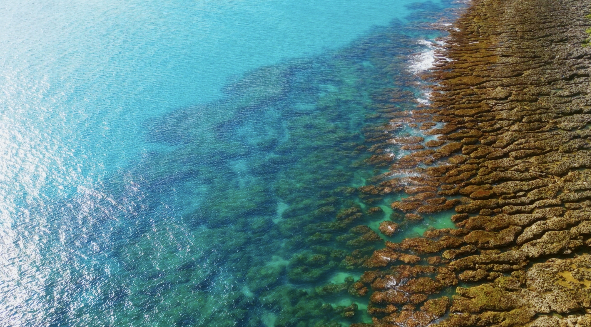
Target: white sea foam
[
  {"x": 391, "y": 283},
  {"x": 423, "y": 101},
  {"x": 424, "y": 60}
]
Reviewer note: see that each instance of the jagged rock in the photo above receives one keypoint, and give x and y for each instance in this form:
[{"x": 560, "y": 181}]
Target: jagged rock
[{"x": 513, "y": 159}]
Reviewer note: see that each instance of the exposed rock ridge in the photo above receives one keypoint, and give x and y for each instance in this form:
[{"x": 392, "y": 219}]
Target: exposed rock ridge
[{"x": 512, "y": 157}]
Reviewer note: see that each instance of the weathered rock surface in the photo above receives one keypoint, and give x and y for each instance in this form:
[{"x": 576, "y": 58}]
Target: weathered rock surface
[{"x": 513, "y": 159}]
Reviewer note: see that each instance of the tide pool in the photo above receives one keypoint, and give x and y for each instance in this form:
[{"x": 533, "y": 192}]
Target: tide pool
[{"x": 195, "y": 163}]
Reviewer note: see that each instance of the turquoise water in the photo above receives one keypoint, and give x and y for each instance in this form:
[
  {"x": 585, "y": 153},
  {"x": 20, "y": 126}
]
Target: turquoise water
[{"x": 192, "y": 163}]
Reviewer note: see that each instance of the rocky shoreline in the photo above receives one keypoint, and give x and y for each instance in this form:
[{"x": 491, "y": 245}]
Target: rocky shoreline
[{"x": 507, "y": 146}]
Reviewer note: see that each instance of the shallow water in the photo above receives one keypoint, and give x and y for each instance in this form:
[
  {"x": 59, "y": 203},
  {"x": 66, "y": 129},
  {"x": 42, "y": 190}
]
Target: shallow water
[{"x": 195, "y": 163}]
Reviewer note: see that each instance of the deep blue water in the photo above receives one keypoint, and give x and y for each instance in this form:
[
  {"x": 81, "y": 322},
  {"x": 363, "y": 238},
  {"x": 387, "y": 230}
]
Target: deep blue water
[{"x": 194, "y": 163}]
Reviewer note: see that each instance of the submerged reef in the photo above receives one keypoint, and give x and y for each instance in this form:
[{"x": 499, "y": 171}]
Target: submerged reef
[
  {"x": 265, "y": 195},
  {"x": 506, "y": 144}
]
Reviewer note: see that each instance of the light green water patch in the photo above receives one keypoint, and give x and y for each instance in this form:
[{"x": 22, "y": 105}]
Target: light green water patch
[
  {"x": 394, "y": 197},
  {"x": 409, "y": 231},
  {"x": 304, "y": 107},
  {"x": 358, "y": 181},
  {"x": 285, "y": 134},
  {"x": 364, "y": 316},
  {"x": 367, "y": 64},
  {"x": 240, "y": 167},
  {"x": 247, "y": 292},
  {"x": 442, "y": 219},
  {"x": 439, "y": 220},
  {"x": 269, "y": 319},
  {"x": 346, "y": 301},
  {"x": 281, "y": 207},
  {"x": 360, "y": 203},
  {"x": 277, "y": 262},
  {"x": 362, "y": 305},
  {"x": 374, "y": 225},
  {"x": 343, "y": 301},
  {"x": 341, "y": 276},
  {"x": 327, "y": 90},
  {"x": 387, "y": 211}
]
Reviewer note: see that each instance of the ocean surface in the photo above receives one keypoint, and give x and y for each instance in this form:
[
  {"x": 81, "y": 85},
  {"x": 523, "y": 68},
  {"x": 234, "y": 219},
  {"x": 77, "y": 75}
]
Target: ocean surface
[{"x": 195, "y": 163}]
